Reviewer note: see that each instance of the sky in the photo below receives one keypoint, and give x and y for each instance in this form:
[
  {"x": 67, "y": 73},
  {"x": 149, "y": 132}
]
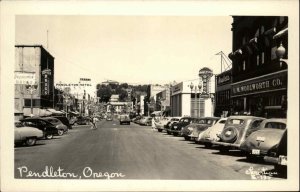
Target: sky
[{"x": 131, "y": 49}]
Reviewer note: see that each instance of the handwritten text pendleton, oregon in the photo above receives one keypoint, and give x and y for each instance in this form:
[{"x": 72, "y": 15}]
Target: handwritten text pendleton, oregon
[{"x": 50, "y": 172}]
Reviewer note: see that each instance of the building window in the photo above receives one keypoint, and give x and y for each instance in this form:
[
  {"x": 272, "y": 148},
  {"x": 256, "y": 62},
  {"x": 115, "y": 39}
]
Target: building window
[
  {"x": 262, "y": 57},
  {"x": 257, "y": 60},
  {"x": 244, "y": 65},
  {"x": 262, "y": 29}
]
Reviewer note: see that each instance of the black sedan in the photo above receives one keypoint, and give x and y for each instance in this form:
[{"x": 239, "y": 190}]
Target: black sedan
[{"x": 48, "y": 128}]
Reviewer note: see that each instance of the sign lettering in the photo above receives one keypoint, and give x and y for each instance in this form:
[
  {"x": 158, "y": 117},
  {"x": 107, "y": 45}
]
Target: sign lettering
[{"x": 262, "y": 84}]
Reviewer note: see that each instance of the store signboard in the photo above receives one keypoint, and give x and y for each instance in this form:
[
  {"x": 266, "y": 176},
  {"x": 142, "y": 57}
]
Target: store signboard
[
  {"x": 23, "y": 78},
  {"x": 260, "y": 84}
]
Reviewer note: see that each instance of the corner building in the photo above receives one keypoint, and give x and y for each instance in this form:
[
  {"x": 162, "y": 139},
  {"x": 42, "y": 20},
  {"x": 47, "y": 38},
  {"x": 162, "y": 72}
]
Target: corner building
[{"x": 259, "y": 77}]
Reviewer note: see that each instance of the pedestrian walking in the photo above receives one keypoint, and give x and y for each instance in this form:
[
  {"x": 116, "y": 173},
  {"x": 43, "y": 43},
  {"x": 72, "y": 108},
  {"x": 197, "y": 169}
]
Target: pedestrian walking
[
  {"x": 94, "y": 121},
  {"x": 153, "y": 123}
]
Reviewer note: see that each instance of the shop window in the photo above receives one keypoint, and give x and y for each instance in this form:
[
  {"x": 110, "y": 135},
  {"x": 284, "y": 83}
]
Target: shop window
[
  {"x": 262, "y": 29},
  {"x": 244, "y": 65}
]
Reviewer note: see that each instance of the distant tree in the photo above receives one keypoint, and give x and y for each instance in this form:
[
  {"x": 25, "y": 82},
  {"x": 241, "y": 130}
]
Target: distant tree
[
  {"x": 104, "y": 92},
  {"x": 124, "y": 85}
]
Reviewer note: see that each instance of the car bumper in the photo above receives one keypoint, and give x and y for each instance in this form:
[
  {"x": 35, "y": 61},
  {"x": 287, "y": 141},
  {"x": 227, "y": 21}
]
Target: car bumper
[
  {"x": 231, "y": 145},
  {"x": 281, "y": 160}
]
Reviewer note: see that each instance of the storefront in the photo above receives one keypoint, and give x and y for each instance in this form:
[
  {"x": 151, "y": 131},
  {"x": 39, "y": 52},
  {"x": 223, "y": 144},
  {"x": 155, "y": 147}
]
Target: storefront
[
  {"x": 264, "y": 96},
  {"x": 223, "y": 94},
  {"x": 188, "y": 102}
]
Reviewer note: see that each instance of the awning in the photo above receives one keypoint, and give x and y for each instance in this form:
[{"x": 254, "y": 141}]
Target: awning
[
  {"x": 157, "y": 113},
  {"x": 18, "y": 112},
  {"x": 74, "y": 112},
  {"x": 36, "y": 112},
  {"x": 54, "y": 112},
  {"x": 281, "y": 33}
]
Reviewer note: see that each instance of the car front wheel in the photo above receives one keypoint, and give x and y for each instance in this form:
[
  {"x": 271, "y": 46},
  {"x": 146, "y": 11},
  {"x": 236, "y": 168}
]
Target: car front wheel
[
  {"x": 60, "y": 132},
  {"x": 30, "y": 141},
  {"x": 49, "y": 136}
]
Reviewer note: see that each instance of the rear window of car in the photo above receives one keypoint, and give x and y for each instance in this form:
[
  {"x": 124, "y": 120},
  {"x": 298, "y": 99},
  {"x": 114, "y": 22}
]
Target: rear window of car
[
  {"x": 222, "y": 121},
  {"x": 52, "y": 120},
  {"x": 18, "y": 124},
  {"x": 275, "y": 125},
  {"x": 200, "y": 121},
  {"x": 236, "y": 121}
]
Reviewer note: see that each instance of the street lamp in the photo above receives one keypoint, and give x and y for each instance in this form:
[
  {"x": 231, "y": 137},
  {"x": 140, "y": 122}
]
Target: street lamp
[
  {"x": 280, "y": 52},
  {"x": 66, "y": 98},
  {"x": 196, "y": 88},
  {"x": 31, "y": 88},
  {"x": 148, "y": 105},
  {"x": 212, "y": 97}
]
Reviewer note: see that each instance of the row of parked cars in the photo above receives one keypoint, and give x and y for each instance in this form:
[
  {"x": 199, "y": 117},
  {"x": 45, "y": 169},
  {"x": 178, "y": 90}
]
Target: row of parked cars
[
  {"x": 142, "y": 120},
  {"x": 256, "y": 137},
  {"x": 29, "y": 130}
]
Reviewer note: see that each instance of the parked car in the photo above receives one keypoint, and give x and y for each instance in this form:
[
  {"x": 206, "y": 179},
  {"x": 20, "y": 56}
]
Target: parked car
[
  {"x": 64, "y": 120},
  {"x": 26, "y": 135},
  {"x": 170, "y": 123},
  {"x": 211, "y": 134},
  {"x": 268, "y": 136},
  {"x": 58, "y": 124},
  {"x": 277, "y": 155},
  {"x": 188, "y": 129},
  {"x": 146, "y": 121},
  {"x": 160, "y": 124},
  {"x": 48, "y": 128},
  {"x": 137, "y": 119},
  {"x": 176, "y": 127},
  {"x": 199, "y": 128},
  {"x": 236, "y": 130},
  {"x": 124, "y": 119}
]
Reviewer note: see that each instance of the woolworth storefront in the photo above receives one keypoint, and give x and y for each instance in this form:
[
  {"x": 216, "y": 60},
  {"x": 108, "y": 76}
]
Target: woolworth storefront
[{"x": 264, "y": 96}]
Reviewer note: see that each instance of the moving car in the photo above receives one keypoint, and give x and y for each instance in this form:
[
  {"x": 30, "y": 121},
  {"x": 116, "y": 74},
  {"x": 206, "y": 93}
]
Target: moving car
[
  {"x": 268, "y": 136},
  {"x": 124, "y": 119},
  {"x": 26, "y": 135},
  {"x": 176, "y": 127},
  {"x": 211, "y": 134},
  {"x": 236, "y": 130},
  {"x": 199, "y": 128},
  {"x": 48, "y": 128},
  {"x": 58, "y": 124}
]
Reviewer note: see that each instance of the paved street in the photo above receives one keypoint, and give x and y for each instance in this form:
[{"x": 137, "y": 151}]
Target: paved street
[{"x": 128, "y": 152}]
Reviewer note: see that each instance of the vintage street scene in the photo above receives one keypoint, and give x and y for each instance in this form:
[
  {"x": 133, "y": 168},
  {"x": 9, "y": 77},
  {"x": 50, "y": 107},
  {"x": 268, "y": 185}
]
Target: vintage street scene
[{"x": 151, "y": 97}]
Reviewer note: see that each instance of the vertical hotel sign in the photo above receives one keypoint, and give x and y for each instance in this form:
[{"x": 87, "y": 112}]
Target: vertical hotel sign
[{"x": 46, "y": 78}]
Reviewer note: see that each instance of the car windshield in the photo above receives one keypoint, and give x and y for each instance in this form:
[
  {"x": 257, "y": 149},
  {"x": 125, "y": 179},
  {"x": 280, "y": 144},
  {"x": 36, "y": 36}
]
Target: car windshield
[
  {"x": 184, "y": 120},
  {"x": 236, "y": 121},
  {"x": 199, "y": 121},
  {"x": 174, "y": 119},
  {"x": 53, "y": 121},
  {"x": 275, "y": 125}
]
